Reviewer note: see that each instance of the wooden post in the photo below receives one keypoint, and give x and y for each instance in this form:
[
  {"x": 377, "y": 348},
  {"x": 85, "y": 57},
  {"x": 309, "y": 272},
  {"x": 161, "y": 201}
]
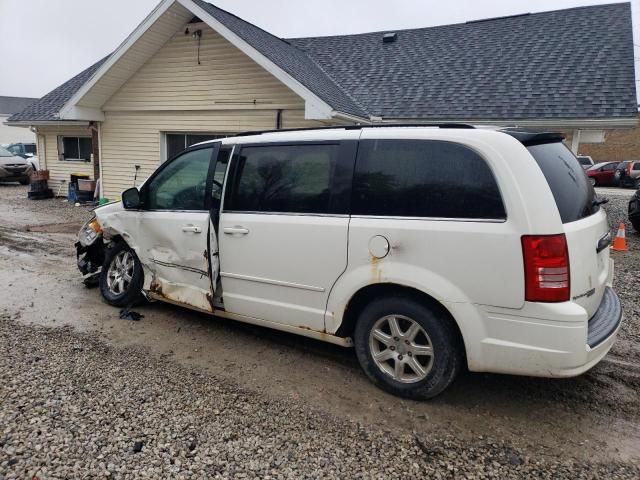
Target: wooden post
[{"x": 95, "y": 149}]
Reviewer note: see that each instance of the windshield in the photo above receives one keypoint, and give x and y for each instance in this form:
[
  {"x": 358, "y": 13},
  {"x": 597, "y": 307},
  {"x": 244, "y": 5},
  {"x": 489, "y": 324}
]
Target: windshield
[
  {"x": 570, "y": 186},
  {"x": 5, "y": 153}
]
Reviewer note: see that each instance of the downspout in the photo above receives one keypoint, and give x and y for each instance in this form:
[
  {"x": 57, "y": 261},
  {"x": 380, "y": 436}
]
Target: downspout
[{"x": 279, "y": 119}]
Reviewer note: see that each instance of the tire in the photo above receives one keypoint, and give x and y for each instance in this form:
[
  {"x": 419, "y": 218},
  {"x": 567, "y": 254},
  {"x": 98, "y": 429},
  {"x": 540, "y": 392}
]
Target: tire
[
  {"x": 24, "y": 181},
  {"x": 431, "y": 327},
  {"x": 120, "y": 263},
  {"x": 593, "y": 181}
]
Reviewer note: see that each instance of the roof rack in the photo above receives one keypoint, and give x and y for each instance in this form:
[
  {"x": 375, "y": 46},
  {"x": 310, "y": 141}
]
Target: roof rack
[{"x": 358, "y": 127}]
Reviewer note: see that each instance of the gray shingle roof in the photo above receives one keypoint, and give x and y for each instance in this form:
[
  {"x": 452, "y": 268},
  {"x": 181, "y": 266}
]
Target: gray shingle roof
[
  {"x": 573, "y": 64},
  {"x": 11, "y": 105},
  {"x": 48, "y": 107}
]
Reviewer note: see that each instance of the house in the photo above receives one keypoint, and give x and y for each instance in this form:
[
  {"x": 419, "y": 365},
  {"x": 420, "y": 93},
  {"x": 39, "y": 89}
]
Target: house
[
  {"x": 8, "y": 107},
  {"x": 191, "y": 71}
]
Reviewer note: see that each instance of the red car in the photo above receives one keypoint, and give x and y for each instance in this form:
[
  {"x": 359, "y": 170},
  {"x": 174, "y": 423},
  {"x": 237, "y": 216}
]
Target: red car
[{"x": 603, "y": 173}]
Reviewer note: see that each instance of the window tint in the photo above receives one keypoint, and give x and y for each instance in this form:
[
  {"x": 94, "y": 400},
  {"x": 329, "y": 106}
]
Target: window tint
[
  {"x": 424, "y": 178},
  {"x": 30, "y": 148},
  {"x": 636, "y": 166},
  {"x": 571, "y": 189},
  {"x": 181, "y": 184},
  {"x": 610, "y": 167},
  {"x": 284, "y": 178}
]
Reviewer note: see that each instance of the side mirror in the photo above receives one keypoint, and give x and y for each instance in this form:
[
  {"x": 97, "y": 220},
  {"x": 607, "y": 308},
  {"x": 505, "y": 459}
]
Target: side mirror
[{"x": 131, "y": 199}]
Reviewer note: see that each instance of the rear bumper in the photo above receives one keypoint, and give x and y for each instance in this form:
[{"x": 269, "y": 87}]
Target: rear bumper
[{"x": 547, "y": 340}]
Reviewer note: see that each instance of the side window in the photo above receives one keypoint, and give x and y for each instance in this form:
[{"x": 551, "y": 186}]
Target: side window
[
  {"x": 285, "y": 179},
  {"x": 424, "y": 178},
  {"x": 610, "y": 167},
  {"x": 30, "y": 148},
  {"x": 636, "y": 166},
  {"x": 181, "y": 184}
]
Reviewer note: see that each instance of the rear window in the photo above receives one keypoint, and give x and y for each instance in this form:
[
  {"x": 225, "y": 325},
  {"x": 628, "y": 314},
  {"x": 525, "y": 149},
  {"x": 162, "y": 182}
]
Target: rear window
[{"x": 570, "y": 186}]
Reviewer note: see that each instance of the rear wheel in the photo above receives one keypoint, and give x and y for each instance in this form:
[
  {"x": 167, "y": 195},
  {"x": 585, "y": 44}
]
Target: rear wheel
[
  {"x": 407, "y": 348},
  {"x": 121, "y": 277}
]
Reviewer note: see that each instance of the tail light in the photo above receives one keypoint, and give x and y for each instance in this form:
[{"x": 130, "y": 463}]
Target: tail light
[{"x": 546, "y": 268}]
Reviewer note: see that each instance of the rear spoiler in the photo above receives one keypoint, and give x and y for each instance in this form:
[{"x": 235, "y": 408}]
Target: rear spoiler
[{"x": 534, "y": 138}]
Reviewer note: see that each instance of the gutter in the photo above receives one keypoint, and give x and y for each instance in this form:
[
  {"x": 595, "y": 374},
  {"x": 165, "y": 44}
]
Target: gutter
[{"x": 51, "y": 123}]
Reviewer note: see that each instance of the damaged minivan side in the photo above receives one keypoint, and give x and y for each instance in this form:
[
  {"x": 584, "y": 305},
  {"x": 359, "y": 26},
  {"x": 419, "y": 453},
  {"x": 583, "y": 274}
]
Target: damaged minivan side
[{"x": 426, "y": 248}]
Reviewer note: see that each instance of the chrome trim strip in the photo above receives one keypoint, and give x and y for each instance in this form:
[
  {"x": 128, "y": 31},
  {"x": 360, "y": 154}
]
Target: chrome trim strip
[
  {"x": 289, "y": 214},
  {"x": 272, "y": 282}
]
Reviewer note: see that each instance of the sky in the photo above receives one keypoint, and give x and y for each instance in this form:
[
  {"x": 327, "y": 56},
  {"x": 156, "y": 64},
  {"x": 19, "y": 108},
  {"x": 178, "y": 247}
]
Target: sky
[{"x": 43, "y": 43}]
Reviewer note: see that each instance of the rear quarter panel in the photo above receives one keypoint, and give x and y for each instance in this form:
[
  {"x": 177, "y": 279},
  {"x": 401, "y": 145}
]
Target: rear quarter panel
[{"x": 454, "y": 261}]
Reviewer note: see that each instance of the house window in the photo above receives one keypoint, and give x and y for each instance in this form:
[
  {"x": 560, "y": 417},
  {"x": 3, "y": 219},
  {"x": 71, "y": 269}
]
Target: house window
[
  {"x": 176, "y": 142},
  {"x": 75, "y": 148}
]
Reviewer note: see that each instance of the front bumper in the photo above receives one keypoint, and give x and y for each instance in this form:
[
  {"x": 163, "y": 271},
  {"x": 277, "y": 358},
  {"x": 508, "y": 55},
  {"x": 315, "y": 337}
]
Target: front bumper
[{"x": 90, "y": 260}]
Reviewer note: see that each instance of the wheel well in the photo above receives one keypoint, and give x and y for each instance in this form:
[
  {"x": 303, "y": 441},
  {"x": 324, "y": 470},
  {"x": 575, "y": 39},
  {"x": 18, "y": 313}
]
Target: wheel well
[{"x": 371, "y": 292}]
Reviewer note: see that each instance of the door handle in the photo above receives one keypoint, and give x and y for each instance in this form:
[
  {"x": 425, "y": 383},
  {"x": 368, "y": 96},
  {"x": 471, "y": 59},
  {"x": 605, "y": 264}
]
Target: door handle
[
  {"x": 191, "y": 229},
  {"x": 235, "y": 230}
]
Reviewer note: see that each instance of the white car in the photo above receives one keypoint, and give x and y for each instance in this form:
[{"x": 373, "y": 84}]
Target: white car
[
  {"x": 586, "y": 161},
  {"x": 428, "y": 249}
]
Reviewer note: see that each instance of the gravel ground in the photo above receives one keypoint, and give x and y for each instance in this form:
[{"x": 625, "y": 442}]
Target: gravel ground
[
  {"x": 79, "y": 408},
  {"x": 83, "y": 405},
  {"x": 627, "y": 275},
  {"x": 40, "y": 212}
]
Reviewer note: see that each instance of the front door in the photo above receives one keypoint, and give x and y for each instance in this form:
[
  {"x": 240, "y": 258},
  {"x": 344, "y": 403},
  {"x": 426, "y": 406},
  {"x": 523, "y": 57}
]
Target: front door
[
  {"x": 175, "y": 236},
  {"x": 284, "y": 229}
]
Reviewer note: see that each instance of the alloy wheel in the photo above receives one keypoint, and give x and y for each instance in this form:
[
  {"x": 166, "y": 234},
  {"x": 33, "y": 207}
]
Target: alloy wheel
[
  {"x": 120, "y": 272},
  {"x": 401, "y": 348}
]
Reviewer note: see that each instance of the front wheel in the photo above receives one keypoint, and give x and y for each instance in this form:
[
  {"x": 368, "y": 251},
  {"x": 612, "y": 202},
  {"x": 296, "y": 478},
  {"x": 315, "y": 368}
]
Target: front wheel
[
  {"x": 121, "y": 277},
  {"x": 593, "y": 181},
  {"x": 407, "y": 348}
]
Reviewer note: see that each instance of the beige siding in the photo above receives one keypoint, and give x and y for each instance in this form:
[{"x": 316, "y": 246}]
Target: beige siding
[
  {"x": 60, "y": 170},
  {"x": 225, "y": 79}
]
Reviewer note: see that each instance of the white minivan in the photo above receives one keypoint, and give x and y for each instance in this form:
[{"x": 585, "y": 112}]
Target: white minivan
[{"x": 429, "y": 249}]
